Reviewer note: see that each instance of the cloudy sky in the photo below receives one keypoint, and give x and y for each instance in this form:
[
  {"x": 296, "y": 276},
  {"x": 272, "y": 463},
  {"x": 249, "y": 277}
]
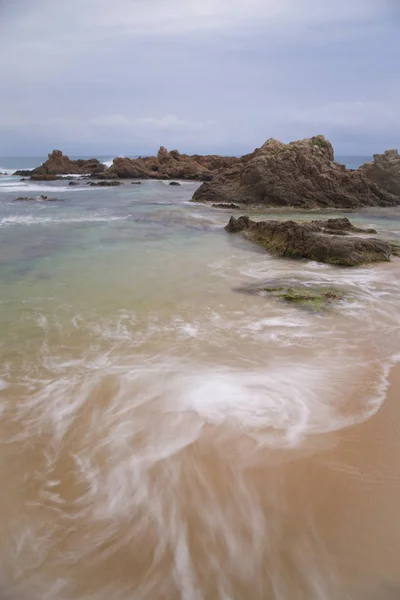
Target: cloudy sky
[{"x": 125, "y": 76}]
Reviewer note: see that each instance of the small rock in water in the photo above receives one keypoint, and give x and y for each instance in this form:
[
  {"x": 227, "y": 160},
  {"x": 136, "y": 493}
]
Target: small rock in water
[
  {"x": 37, "y": 199},
  {"x": 73, "y": 183},
  {"x": 174, "y": 183},
  {"x": 226, "y": 205},
  {"x": 316, "y": 298},
  {"x": 136, "y": 182},
  {"x": 104, "y": 183}
]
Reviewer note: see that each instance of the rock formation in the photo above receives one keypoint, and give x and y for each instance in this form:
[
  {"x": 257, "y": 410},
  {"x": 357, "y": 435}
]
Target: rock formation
[
  {"x": 59, "y": 164},
  {"x": 384, "y": 171},
  {"x": 301, "y": 174},
  {"x": 313, "y": 240},
  {"x": 169, "y": 165}
]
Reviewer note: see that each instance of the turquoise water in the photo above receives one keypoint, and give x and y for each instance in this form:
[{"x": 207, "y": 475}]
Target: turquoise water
[{"x": 165, "y": 436}]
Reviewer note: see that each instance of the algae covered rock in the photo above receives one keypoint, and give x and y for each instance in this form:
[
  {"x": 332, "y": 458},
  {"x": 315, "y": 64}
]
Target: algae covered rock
[{"x": 314, "y": 240}]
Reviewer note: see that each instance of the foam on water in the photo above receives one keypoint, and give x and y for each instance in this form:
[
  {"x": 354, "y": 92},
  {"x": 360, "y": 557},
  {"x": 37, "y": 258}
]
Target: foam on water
[
  {"x": 18, "y": 186},
  {"x": 30, "y": 220},
  {"x": 108, "y": 163}
]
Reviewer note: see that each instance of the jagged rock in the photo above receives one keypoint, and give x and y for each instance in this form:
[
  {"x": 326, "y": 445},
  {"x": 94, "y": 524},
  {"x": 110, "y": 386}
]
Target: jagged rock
[
  {"x": 310, "y": 240},
  {"x": 384, "y": 171},
  {"x": 59, "y": 164},
  {"x": 104, "y": 183},
  {"x": 169, "y": 165},
  {"x": 174, "y": 183},
  {"x": 301, "y": 174}
]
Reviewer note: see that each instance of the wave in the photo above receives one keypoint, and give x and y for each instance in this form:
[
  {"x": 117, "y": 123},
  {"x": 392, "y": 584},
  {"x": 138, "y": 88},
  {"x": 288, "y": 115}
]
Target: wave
[
  {"x": 108, "y": 163},
  {"x": 180, "y": 181},
  {"x": 18, "y": 186},
  {"x": 10, "y": 172},
  {"x": 30, "y": 220}
]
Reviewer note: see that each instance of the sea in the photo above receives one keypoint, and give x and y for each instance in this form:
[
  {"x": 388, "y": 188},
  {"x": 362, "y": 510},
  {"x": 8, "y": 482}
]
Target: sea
[{"x": 165, "y": 435}]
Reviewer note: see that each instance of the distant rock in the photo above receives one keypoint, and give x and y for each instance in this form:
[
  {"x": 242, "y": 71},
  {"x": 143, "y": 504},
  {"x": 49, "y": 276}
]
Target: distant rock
[
  {"x": 301, "y": 174},
  {"x": 174, "y": 183},
  {"x": 23, "y": 172},
  {"x": 384, "y": 171},
  {"x": 43, "y": 177},
  {"x": 169, "y": 165},
  {"x": 230, "y": 205},
  {"x": 311, "y": 240},
  {"x": 59, "y": 164},
  {"x": 37, "y": 199},
  {"x": 136, "y": 182},
  {"x": 73, "y": 183},
  {"x": 104, "y": 183}
]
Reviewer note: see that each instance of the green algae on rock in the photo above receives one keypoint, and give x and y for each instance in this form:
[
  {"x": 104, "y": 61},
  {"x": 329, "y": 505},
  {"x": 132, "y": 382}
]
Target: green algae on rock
[{"x": 321, "y": 241}]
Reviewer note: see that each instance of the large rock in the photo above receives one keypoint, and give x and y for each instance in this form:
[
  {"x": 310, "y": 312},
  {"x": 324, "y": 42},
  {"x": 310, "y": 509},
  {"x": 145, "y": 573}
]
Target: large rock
[
  {"x": 313, "y": 241},
  {"x": 301, "y": 174},
  {"x": 384, "y": 171},
  {"x": 59, "y": 164},
  {"x": 169, "y": 165}
]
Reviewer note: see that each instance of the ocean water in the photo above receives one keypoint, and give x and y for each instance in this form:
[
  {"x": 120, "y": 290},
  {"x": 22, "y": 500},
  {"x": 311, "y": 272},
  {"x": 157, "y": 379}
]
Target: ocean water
[{"x": 165, "y": 436}]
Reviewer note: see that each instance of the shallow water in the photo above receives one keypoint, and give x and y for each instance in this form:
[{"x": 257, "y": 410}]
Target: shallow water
[{"x": 164, "y": 436}]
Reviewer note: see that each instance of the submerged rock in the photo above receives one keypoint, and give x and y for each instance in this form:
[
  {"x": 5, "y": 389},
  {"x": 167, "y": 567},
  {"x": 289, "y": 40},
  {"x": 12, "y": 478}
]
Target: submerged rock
[
  {"x": 174, "y": 183},
  {"x": 311, "y": 241},
  {"x": 230, "y": 205},
  {"x": 37, "y": 199},
  {"x": 302, "y": 174},
  {"x": 316, "y": 298},
  {"x": 104, "y": 183}
]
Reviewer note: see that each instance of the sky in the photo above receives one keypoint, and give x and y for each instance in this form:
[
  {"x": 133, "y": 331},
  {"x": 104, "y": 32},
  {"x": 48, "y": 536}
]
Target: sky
[{"x": 115, "y": 77}]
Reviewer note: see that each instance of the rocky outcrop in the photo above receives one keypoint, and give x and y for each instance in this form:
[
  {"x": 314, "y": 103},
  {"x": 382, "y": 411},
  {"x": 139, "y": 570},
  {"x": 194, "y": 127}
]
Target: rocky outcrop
[
  {"x": 59, "y": 164},
  {"x": 311, "y": 241},
  {"x": 301, "y": 174},
  {"x": 169, "y": 165},
  {"x": 384, "y": 171}
]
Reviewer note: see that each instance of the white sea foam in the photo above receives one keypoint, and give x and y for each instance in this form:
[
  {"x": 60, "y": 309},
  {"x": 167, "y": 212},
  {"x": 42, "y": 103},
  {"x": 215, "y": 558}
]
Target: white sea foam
[
  {"x": 18, "y": 186},
  {"x": 31, "y": 220},
  {"x": 108, "y": 163},
  {"x": 11, "y": 171}
]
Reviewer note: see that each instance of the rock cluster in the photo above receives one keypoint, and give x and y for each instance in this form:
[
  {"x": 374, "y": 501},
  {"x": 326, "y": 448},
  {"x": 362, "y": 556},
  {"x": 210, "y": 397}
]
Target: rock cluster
[
  {"x": 59, "y": 164},
  {"x": 301, "y": 174},
  {"x": 169, "y": 165}
]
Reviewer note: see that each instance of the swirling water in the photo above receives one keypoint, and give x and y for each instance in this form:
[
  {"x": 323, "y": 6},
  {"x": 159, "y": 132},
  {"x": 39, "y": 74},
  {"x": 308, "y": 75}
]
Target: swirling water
[{"x": 164, "y": 436}]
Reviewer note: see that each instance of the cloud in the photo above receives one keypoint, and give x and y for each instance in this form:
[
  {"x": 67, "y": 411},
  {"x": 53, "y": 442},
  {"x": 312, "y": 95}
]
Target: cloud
[{"x": 218, "y": 75}]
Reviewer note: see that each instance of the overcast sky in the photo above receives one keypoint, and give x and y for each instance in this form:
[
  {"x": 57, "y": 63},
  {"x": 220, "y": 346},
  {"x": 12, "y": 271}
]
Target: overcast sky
[{"x": 125, "y": 76}]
